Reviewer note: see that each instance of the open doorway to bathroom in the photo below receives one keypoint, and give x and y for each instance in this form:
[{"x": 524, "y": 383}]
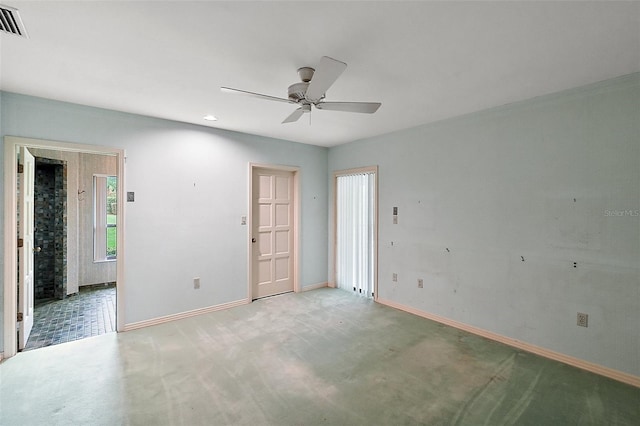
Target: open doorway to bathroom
[
  {"x": 75, "y": 220},
  {"x": 66, "y": 267}
]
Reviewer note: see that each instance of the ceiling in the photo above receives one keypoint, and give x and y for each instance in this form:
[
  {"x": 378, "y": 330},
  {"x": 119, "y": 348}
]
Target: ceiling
[{"x": 425, "y": 61}]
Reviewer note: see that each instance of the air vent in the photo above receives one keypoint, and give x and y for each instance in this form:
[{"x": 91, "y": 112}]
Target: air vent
[{"x": 10, "y": 21}]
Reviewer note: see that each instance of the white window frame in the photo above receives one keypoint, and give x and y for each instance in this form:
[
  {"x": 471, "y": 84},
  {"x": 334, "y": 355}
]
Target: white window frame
[{"x": 100, "y": 223}]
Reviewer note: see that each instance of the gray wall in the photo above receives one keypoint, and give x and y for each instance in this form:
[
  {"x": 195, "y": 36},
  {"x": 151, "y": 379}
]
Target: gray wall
[
  {"x": 548, "y": 179},
  {"x": 191, "y": 186}
]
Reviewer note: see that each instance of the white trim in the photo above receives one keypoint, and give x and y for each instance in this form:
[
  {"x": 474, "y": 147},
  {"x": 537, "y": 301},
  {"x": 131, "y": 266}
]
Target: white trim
[
  {"x": 356, "y": 171},
  {"x": 315, "y": 286},
  {"x": 10, "y": 257},
  {"x": 11, "y": 145},
  {"x": 346, "y": 172},
  {"x": 105, "y": 261},
  {"x": 296, "y": 223},
  {"x": 620, "y": 376},
  {"x": 183, "y": 315},
  {"x": 100, "y": 252}
]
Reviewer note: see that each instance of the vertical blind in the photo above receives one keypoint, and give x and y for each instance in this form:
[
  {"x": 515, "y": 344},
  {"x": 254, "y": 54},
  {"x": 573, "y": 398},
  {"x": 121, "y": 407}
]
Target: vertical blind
[{"x": 355, "y": 236}]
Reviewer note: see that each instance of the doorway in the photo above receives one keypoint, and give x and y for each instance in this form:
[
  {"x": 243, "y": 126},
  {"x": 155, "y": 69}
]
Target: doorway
[
  {"x": 273, "y": 236},
  {"x": 69, "y": 226},
  {"x": 356, "y": 230},
  {"x": 63, "y": 235}
]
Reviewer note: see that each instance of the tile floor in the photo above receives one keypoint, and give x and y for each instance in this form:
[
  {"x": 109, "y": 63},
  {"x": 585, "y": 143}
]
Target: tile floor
[{"x": 91, "y": 312}]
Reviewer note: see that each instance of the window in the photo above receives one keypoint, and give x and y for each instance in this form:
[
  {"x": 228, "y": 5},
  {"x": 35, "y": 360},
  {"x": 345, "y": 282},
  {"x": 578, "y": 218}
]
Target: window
[
  {"x": 356, "y": 231},
  {"x": 105, "y": 217}
]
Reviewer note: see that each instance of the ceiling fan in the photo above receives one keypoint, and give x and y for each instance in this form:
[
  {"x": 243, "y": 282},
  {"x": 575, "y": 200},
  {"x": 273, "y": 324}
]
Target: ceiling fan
[{"x": 311, "y": 91}]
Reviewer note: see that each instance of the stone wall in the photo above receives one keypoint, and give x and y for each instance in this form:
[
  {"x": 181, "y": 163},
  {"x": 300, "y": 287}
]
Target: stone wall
[{"x": 50, "y": 217}]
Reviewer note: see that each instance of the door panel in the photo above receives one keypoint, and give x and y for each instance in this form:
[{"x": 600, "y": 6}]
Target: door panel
[
  {"x": 25, "y": 253},
  {"x": 282, "y": 187},
  {"x": 282, "y": 242},
  {"x": 265, "y": 215},
  {"x": 272, "y": 224},
  {"x": 282, "y": 269},
  {"x": 264, "y": 272},
  {"x": 282, "y": 215}
]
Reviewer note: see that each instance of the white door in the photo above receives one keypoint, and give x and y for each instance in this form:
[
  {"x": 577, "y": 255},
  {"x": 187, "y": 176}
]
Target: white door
[
  {"x": 25, "y": 246},
  {"x": 272, "y": 232}
]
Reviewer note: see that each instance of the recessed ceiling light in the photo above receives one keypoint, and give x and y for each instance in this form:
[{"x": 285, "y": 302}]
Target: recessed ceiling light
[{"x": 210, "y": 117}]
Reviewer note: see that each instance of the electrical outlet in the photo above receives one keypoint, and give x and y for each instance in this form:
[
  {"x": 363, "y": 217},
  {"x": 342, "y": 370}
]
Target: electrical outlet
[
  {"x": 196, "y": 283},
  {"x": 420, "y": 283},
  {"x": 583, "y": 319},
  {"x": 395, "y": 277}
]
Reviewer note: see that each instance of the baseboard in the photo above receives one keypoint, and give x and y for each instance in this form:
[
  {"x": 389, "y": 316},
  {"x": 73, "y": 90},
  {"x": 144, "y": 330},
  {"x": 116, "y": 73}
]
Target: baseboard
[
  {"x": 620, "y": 376},
  {"x": 97, "y": 285},
  {"x": 182, "y": 315},
  {"x": 314, "y": 286}
]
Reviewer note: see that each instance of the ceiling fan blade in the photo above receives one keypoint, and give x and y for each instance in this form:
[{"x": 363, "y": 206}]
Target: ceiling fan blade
[
  {"x": 295, "y": 115},
  {"x": 362, "y": 107},
  {"x": 255, "y": 95},
  {"x": 325, "y": 75}
]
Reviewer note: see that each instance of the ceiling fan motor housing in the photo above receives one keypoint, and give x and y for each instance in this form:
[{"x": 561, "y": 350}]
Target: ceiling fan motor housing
[{"x": 298, "y": 91}]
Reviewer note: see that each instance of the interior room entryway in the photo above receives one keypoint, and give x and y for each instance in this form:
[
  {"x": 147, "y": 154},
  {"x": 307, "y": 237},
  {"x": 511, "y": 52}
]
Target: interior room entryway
[
  {"x": 74, "y": 215},
  {"x": 60, "y": 283},
  {"x": 356, "y": 230},
  {"x": 274, "y": 218}
]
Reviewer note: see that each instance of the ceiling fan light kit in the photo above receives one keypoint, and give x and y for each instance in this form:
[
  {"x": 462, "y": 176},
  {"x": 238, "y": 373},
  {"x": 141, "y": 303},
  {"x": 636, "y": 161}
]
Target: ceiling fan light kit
[{"x": 311, "y": 91}]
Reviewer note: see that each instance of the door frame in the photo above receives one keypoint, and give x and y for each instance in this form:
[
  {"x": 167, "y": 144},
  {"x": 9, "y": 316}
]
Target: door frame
[
  {"x": 11, "y": 145},
  {"x": 296, "y": 222},
  {"x": 346, "y": 172}
]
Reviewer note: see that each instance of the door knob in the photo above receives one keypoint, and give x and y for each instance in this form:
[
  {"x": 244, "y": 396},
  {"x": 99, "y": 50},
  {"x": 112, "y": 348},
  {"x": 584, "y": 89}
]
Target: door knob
[
  {"x": 37, "y": 249},
  {"x": 253, "y": 240}
]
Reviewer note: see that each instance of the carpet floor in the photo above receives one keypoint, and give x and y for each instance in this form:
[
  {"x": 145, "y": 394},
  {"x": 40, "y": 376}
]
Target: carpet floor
[{"x": 324, "y": 357}]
